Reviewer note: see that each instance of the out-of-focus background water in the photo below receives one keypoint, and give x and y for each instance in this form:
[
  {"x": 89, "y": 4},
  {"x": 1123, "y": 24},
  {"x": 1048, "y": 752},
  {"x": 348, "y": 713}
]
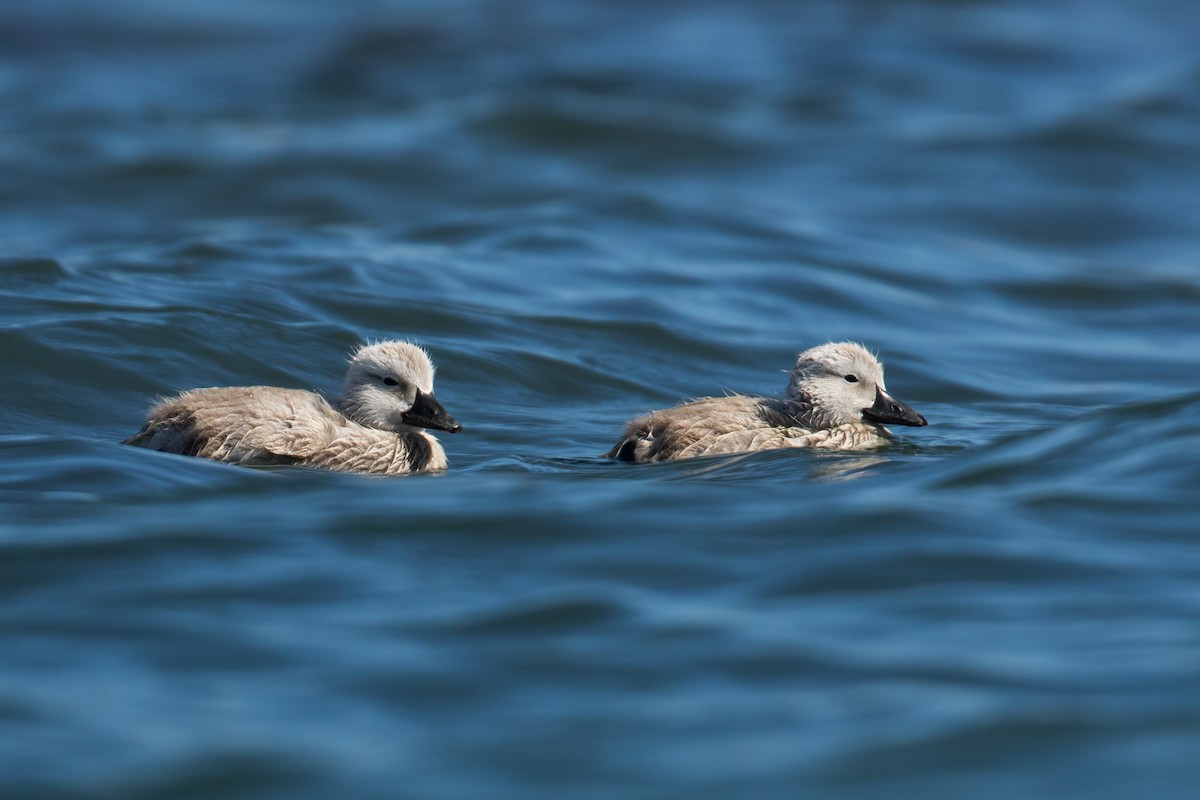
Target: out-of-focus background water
[{"x": 587, "y": 211}]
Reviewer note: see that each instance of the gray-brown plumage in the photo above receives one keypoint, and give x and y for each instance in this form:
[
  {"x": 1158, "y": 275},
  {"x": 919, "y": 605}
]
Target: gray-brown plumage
[
  {"x": 835, "y": 398},
  {"x": 377, "y": 424}
]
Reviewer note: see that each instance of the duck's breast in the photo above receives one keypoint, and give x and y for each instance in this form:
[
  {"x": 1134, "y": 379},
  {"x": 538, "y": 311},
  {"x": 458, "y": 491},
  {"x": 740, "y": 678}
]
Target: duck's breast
[{"x": 360, "y": 449}]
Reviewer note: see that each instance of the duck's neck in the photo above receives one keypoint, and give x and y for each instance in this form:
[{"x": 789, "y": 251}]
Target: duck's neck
[
  {"x": 358, "y": 409},
  {"x": 805, "y": 412}
]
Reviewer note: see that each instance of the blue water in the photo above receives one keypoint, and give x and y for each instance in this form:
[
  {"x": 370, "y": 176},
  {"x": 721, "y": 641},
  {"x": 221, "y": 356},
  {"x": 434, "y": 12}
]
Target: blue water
[{"x": 586, "y": 211}]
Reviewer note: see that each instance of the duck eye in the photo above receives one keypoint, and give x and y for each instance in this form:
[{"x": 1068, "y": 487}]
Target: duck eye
[
  {"x": 390, "y": 381},
  {"x": 851, "y": 378}
]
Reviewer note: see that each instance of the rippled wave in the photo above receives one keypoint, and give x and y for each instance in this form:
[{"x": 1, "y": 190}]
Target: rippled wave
[{"x": 585, "y": 212}]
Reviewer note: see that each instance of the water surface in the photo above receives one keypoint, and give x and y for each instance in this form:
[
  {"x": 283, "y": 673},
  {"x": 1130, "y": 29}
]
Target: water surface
[{"x": 587, "y": 211}]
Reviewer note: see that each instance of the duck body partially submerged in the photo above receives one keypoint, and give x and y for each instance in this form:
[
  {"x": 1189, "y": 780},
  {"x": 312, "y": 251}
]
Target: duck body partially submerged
[
  {"x": 377, "y": 425},
  {"x": 835, "y": 398}
]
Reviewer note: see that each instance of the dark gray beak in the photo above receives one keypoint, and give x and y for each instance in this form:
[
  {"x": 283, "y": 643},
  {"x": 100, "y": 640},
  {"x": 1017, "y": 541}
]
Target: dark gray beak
[
  {"x": 890, "y": 411},
  {"x": 426, "y": 412}
]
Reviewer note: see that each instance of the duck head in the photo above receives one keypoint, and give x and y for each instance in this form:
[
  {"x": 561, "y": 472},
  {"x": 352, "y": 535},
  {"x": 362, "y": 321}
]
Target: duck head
[
  {"x": 842, "y": 383},
  {"x": 389, "y": 386}
]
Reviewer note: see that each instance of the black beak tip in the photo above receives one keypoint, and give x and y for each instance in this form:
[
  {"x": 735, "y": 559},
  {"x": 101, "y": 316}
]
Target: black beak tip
[
  {"x": 427, "y": 412},
  {"x": 890, "y": 411}
]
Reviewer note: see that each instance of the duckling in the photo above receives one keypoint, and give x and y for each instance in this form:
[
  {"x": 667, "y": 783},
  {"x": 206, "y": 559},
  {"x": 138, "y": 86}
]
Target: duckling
[
  {"x": 835, "y": 398},
  {"x": 377, "y": 425}
]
